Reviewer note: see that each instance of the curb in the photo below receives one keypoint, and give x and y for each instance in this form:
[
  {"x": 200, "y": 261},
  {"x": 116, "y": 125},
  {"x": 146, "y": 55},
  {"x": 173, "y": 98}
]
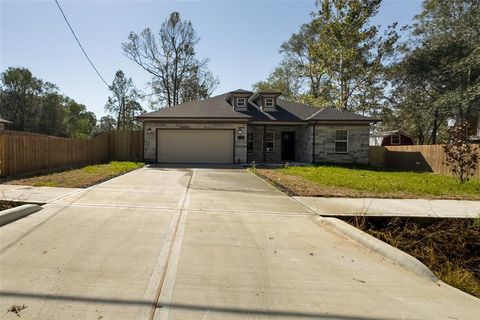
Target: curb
[
  {"x": 391, "y": 253},
  {"x": 13, "y": 214}
]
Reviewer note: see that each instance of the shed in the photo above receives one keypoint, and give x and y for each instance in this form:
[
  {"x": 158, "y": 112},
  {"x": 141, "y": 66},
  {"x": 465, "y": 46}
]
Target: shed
[{"x": 390, "y": 138}]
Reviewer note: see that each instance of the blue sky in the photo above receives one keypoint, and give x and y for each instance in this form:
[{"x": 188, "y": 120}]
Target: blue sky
[{"x": 241, "y": 38}]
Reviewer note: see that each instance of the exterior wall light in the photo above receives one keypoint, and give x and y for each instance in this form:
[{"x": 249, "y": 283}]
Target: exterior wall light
[
  {"x": 240, "y": 131},
  {"x": 149, "y": 130}
]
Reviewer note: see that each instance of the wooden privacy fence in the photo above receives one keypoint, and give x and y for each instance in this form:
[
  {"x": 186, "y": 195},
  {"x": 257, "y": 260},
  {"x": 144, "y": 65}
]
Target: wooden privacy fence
[
  {"x": 23, "y": 153},
  {"x": 429, "y": 158},
  {"x": 125, "y": 145}
]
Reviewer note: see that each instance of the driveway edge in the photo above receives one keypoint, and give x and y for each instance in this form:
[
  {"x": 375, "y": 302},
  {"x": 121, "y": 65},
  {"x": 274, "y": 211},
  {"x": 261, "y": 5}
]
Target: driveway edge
[
  {"x": 13, "y": 214},
  {"x": 391, "y": 253}
]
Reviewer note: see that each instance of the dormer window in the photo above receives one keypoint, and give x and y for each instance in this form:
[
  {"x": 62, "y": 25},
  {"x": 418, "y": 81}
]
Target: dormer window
[
  {"x": 241, "y": 103},
  {"x": 269, "y": 103}
]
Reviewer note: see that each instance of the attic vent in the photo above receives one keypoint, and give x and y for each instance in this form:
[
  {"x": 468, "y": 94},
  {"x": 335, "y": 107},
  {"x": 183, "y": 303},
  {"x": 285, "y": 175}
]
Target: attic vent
[
  {"x": 269, "y": 104},
  {"x": 241, "y": 103}
]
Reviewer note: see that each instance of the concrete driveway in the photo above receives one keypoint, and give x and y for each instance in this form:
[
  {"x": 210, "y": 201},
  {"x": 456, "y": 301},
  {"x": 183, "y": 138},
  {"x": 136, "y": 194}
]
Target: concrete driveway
[{"x": 183, "y": 243}]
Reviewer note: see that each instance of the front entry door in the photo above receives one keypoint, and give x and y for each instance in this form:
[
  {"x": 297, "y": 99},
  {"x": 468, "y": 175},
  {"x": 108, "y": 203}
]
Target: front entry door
[{"x": 288, "y": 146}]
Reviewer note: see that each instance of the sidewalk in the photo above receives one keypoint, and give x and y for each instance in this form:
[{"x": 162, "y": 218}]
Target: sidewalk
[
  {"x": 392, "y": 207},
  {"x": 13, "y": 192}
]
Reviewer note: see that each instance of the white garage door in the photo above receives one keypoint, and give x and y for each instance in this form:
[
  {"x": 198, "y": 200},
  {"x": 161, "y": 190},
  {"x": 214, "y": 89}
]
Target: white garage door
[{"x": 195, "y": 146}]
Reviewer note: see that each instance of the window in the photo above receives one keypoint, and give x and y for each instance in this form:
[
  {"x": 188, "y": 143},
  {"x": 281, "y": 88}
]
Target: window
[
  {"x": 269, "y": 103},
  {"x": 269, "y": 141},
  {"x": 250, "y": 141},
  {"x": 395, "y": 138},
  {"x": 241, "y": 102},
  {"x": 341, "y": 141}
]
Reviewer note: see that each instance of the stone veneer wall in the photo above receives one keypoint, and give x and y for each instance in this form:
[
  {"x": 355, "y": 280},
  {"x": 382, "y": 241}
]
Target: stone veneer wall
[
  {"x": 358, "y": 141},
  {"x": 303, "y": 143},
  {"x": 358, "y": 144},
  {"x": 150, "y": 147}
]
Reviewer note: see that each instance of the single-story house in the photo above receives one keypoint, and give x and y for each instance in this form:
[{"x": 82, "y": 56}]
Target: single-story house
[
  {"x": 242, "y": 126},
  {"x": 391, "y": 138}
]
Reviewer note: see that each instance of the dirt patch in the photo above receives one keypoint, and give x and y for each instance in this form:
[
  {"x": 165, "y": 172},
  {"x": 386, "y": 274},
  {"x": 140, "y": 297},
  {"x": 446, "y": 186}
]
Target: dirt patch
[
  {"x": 449, "y": 247},
  {"x": 78, "y": 178},
  {"x": 4, "y": 205}
]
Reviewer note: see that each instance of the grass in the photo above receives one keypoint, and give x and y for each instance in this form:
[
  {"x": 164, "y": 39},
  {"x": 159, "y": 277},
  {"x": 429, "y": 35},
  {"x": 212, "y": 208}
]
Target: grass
[
  {"x": 82, "y": 177},
  {"x": 449, "y": 247},
  {"x": 362, "y": 181}
]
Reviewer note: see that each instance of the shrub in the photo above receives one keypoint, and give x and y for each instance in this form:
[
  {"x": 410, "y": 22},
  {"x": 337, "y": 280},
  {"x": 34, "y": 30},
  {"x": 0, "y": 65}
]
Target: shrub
[{"x": 460, "y": 156}]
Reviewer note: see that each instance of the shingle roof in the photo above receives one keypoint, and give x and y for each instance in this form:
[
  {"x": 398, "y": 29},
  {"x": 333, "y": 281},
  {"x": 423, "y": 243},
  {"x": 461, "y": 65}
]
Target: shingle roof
[
  {"x": 4, "y": 120},
  {"x": 215, "y": 107},
  {"x": 286, "y": 111},
  {"x": 218, "y": 108},
  {"x": 240, "y": 91},
  {"x": 388, "y": 133},
  {"x": 330, "y": 114}
]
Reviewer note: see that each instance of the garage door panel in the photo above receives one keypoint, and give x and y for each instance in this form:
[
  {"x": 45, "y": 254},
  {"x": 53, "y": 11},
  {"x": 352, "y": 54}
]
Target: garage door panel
[{"x": 195, "y": 146}]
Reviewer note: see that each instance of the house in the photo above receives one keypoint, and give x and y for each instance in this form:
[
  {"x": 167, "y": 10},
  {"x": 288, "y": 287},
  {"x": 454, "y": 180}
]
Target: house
[
  {"x": 3, "y": 123},
  {"x": 242, "y": 126},
  {"x": 390, "y": 138},
  {"x": 475, "y": 130}
]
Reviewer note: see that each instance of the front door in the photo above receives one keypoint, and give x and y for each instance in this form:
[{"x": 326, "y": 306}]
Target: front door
[{"x": 288, "y": 146}]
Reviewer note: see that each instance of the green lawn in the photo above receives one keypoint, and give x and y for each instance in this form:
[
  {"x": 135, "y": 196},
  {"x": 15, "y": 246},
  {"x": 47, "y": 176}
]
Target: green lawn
[
  {"x": 82, "y": 177},
  {"x": 364, "y": 181}
]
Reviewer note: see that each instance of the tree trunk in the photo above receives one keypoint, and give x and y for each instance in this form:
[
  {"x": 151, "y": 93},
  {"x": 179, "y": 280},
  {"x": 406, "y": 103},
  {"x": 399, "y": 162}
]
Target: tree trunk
[{"x": 435, "y": 127}]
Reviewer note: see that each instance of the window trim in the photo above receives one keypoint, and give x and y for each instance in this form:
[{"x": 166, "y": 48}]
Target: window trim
[
  {"x": 241, "y": 106},
  {"x": 251, "y": 141},
  {"x": 265, "y": 103},
  {"x": 336, "y": 140},
  {"x": 266, "y": 141},
  {"x": 399, "y": 139}
]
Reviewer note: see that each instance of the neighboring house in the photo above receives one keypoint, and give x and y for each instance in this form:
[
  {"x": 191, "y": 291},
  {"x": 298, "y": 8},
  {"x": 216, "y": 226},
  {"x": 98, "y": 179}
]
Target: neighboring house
[
  {"x": 3, "y": 123},
  {"x": 390, "y": 138},
  {"x": 242, "y": 126}
]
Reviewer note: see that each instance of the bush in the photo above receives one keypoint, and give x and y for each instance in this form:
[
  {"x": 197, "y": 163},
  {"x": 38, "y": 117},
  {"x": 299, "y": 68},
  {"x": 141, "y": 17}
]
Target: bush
[{"x": 460, "y": 156}]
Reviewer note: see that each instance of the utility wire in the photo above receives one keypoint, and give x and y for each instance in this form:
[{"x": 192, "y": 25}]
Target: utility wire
[{"x": 81, "y": 47}]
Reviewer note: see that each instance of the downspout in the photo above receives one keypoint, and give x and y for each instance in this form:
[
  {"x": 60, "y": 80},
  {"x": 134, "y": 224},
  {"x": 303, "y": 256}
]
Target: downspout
[
  {"x": 263, "y": 143},
  {"x": 313, "y": 143}
]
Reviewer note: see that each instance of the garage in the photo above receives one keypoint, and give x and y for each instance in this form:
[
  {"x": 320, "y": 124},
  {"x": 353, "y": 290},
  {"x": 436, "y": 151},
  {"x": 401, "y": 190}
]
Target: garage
[{"x": 195, "y": 146}]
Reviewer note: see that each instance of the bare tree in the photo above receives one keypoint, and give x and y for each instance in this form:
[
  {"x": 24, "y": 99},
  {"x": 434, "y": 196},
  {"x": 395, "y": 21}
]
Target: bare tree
[{"x": 171, "y": 60}]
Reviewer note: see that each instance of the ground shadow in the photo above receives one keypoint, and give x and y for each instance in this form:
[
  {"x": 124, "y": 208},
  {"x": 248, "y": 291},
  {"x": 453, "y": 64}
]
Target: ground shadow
[
  {"x": 406, "y": 161},
  {"x": 278, "y": 313},
  {"x": 193, "y": 166}
]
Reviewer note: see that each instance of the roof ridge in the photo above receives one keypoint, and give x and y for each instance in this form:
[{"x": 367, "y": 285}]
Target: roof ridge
[{"x": 314, "y": 114}]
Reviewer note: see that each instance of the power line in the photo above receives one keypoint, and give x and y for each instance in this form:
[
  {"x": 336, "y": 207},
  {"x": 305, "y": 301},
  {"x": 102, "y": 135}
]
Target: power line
[{"x": 81, "y": 47}]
